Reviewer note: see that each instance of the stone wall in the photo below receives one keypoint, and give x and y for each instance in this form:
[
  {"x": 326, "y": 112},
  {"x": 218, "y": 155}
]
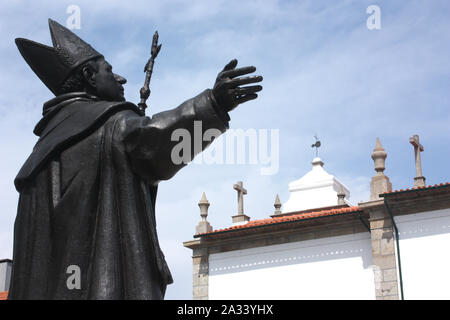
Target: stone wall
[{"x": 374, "y": 214}]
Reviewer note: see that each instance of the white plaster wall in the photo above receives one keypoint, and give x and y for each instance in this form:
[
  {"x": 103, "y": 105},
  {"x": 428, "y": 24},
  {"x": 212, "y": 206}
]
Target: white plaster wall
[
  {"x": 425, "y": 254},
  {"x": 310, "y": 199},
  {"x": 5, "y": 276},
  {"x": 330, "y": 268}
]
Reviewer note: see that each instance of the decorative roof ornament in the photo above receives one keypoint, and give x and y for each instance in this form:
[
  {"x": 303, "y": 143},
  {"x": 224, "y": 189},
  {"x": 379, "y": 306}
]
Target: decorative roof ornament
[
  {"x": 379, "y": 157},
  {"x": 203, "y": 226},
  {"x": 419, "y": 179},
  {"x": 53, "y": 65},
  {"x": 316, "y": 189},
  {"x": 380, "y": 182},
  {"x": 316, "y": 145},
  {"x": 241, "y": 191},
  {"x": 277, "y": 205},
  {"x": 341, "y": 196}
]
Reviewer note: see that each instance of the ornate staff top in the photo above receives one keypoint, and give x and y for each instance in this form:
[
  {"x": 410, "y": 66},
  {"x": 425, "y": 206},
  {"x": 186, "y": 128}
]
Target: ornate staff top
[{"x": 148, "y": 69}]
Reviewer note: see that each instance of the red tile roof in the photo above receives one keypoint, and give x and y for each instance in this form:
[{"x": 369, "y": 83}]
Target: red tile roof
[
  {"x": 3, "y": 295},
  {"x": 285, "y": 219},
  {"x": 427, "y": 188}
]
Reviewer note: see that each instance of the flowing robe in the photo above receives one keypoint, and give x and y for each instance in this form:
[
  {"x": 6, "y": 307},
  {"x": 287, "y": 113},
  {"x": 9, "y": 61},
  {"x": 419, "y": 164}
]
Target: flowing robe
[{"x": 87, "y": 198}]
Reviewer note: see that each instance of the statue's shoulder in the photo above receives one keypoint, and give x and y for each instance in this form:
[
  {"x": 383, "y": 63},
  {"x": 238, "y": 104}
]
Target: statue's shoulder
[
  {"x": 112, "y": 111},
  {"x": 127, "y": 117},
  {"x": 123, "y": 111}
]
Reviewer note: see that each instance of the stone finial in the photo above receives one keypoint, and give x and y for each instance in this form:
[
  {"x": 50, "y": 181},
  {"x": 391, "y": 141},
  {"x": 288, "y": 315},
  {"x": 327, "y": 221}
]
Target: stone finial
[
  {"x": 380, "y": 182},
  {"x": 204, "y": 205},
  {"x": 419, "y": 179},
  {"x": 379, "y": 157},
  {"x": 277, "y": 205},
  {"x": 240, "y": 218},
  {"x": 341, "y": 196},
  {"x": 203, "y": 226}
]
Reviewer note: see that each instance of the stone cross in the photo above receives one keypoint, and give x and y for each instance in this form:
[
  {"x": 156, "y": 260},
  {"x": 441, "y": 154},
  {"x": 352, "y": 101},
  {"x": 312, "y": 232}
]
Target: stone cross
[
  {"x": 241, "y": 191},
  {"x": 419, "y": 180}
]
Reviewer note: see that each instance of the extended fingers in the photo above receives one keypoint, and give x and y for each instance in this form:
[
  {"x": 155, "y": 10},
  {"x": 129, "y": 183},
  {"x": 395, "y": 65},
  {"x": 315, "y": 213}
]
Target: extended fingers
[
  {"x": 237, "y": 72},
  {"x": 246, "y": 98},
  {"x": 230, "y": 65},
  {"x": 247, "y": 90},
  {"x": 246, "y": 80}
]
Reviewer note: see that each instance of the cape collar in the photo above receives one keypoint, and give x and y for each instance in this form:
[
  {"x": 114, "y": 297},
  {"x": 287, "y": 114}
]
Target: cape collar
[
  {"x": 69, "y": 119},
  {"x": 63, "y": 97},
  {"x": 53, "y": 106}
]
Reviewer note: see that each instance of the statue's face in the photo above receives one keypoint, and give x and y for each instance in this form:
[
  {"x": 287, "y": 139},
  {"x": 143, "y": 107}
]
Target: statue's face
[{"x": 108, "y": 85}]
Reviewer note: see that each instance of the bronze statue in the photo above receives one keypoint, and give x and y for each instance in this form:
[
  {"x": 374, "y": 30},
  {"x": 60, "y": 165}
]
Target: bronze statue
[{"x": 88, "y": 189}]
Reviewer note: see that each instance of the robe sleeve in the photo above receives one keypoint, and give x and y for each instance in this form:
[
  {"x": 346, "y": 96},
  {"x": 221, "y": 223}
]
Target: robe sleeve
[{"x": 149, "y": 142}]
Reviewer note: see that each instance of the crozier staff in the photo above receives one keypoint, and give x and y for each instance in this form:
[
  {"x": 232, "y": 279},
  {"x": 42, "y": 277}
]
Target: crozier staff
[{"x": 148, "y": 69}]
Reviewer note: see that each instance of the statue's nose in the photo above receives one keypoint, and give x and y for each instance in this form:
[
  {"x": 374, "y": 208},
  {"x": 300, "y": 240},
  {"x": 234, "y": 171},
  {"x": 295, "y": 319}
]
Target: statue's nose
[{"x": 120, "y": 79}]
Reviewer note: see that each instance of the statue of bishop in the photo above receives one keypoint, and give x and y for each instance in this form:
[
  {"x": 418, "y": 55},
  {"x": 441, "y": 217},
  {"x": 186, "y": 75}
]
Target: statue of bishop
[{"x": 88, "y": 188}]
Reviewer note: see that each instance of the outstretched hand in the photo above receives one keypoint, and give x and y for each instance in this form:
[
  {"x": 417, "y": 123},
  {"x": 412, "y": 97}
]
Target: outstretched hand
[{"x": 228, "y": 91}]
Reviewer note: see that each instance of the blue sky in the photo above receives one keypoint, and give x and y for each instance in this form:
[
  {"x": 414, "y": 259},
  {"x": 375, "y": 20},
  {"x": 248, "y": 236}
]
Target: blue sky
[{"x": 324, "y": 72}]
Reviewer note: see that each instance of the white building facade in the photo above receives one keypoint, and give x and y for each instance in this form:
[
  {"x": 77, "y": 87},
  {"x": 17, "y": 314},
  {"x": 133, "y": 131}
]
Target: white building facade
[
  {"x": 424, "y": 251},
  {"x": 394, "y": 246},
  {"x": 284, "y": 271}
]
